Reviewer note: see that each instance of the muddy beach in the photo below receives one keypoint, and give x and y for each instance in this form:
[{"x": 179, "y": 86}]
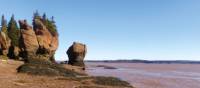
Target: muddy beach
[{"x": 150, "y": 75}]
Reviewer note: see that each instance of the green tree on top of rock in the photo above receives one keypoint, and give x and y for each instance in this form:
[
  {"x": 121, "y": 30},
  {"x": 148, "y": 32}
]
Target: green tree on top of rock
[
  {"x": 3, "y": 24},
  {"x": 50, "y": 24},
  {"x": 13, "y": 32},
  {"x": 4, "y": 27},
  {"x": 36, "y": 15},
  {"x": 44, "y": 18}
]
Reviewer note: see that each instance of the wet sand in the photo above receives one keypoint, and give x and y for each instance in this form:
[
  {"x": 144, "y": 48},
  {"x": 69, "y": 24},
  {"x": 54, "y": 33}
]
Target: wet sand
[
  {"x": 150, "y": 75},
  {"x": 10, "y": 78}
]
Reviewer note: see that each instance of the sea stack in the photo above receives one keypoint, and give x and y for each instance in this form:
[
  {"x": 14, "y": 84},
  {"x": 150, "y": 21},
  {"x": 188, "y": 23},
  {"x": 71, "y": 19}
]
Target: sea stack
[
  {"x": 38, "y": 41},
  {"x": 29, "y": 44},
  {"x": 76, "y": 54}
]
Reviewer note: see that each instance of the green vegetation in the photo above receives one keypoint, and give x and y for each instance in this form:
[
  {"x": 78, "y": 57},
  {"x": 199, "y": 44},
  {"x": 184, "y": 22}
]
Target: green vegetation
[
  {"x": 49, "y": 23},
  {"x": 111, "y": 81},
  {"x": 99, "y": 80},
  {"x": 36, "y": 15},
  {"x": 3, "y": 25},
  {"x": 13, "y": 32},
  {"x": 40, "y": 66}
]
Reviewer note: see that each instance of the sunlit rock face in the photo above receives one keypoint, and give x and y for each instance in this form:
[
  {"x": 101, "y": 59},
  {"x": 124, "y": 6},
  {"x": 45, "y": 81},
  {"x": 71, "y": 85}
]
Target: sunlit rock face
[
  {"x": 48, "y": 43},
  {"x": 5, "y": 43},
  {"x": 37, "y": 42},
  {"x": 28, "y": 40},
  {"x": 76, "y": 54}
]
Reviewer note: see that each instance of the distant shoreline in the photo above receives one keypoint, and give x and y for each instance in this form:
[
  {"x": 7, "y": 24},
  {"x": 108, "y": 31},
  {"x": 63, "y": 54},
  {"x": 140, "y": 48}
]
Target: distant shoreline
[{"x": 148, "y": 61}]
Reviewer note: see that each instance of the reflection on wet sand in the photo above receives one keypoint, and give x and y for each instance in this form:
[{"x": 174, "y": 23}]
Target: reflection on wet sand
[{"x": 150, "y": 75}]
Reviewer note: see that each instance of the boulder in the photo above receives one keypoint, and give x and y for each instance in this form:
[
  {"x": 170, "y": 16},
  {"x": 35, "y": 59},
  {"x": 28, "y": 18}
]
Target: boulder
[
  {"x": 28, "y": 40},
  {"x": 76, "y": 54}
]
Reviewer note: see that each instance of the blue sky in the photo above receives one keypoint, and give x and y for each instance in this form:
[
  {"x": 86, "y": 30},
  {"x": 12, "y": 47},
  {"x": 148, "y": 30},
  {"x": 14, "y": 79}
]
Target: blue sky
[{"x": 120, "y": 29}]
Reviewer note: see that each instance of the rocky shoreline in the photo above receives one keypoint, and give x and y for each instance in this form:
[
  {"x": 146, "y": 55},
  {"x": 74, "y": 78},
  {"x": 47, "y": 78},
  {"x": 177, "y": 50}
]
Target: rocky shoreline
[{"x": 33, "y": 48}]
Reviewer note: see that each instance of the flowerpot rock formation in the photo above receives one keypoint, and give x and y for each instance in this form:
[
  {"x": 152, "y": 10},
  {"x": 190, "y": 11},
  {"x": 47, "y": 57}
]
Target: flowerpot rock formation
[
  {"x": 37, "y": 42},
  {"x": 76, "y": 54}
]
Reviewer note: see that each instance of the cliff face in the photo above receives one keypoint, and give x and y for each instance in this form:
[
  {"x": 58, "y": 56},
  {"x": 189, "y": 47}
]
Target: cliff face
[
  {"x": 4, "y": 43},
  {"x": 28, "y": 39},
  {"x": 48, "y": 43},
  {"x": 37, "y": 42}
]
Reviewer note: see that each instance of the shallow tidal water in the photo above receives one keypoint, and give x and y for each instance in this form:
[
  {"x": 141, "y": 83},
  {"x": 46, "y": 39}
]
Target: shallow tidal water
[{"x": 150, "y": 75}]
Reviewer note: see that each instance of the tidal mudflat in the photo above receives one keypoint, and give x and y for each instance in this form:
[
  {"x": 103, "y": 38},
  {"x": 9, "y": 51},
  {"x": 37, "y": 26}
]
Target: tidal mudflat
[{"x": 150, "y": 75}]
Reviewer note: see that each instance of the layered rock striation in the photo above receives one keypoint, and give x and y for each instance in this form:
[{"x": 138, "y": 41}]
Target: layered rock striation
[{"x": 37, "y": 42}]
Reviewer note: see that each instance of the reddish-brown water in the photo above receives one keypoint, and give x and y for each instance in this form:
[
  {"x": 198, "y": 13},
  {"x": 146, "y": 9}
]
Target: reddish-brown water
[{"x": 151, "y": 75}]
